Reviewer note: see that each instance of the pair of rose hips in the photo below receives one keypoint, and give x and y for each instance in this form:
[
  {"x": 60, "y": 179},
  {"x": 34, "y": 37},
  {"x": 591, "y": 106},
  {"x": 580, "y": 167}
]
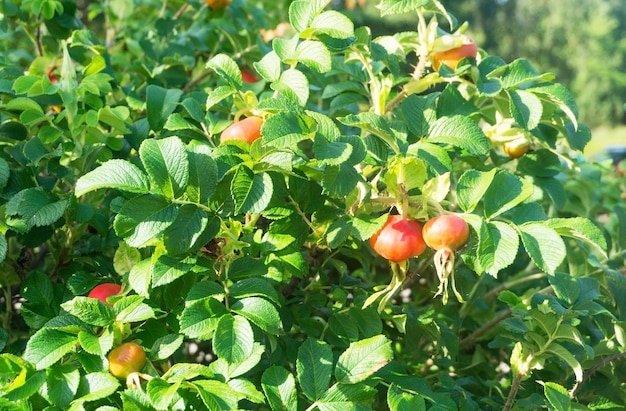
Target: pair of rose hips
[{"x": 402, "y": 238}]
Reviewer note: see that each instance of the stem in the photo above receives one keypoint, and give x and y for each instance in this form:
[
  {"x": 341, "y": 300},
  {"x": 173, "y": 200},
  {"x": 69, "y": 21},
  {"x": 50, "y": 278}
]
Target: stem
[
  {"x": 305, "y": 218},
  {"x": 374, "y": 86},
  {"x": 34, "y": 38},
  {"x": 470, "y": 339},
  {"x": 512, "y": 283},
  {"x": 592, "y": 370},
  {"x": 6, "y": 320},
  {"x": 181, "y": 10},
  {"x": 517, "y": 381}
]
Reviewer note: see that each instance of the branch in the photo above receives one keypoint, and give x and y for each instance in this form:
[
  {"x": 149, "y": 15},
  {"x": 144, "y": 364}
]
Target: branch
[
  {"x": 470, "y": 339},
  {"x": 592, "y": 370}
]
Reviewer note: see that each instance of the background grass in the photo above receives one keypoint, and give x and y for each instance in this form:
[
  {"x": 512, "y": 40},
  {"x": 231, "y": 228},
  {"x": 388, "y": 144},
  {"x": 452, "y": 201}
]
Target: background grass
[{"x": 604, "y": 138}]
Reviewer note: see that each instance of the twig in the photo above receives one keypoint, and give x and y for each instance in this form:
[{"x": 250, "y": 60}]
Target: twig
[
  {"x": 470, "y": 339},
  {"x": 605, "y": 361},
  {"x": 517, "y": 381}
]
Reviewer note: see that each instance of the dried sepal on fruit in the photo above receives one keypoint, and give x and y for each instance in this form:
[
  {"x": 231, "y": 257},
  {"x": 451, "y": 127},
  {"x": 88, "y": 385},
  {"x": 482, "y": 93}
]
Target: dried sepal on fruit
[{"x": 445, "y": 234}]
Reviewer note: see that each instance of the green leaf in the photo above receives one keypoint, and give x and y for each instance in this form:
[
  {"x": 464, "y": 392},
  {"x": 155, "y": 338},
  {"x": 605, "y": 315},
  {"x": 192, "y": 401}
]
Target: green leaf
[
  {"x": 568, "y": 357},
  {"x": 338, "y": 231},
  {"x": 518, "y": 73},
  {"x": 132, "y": 308},
  {"x": 61, "y": 385},
  {"x": 36, "y": 207},
  {"x": 362, "y": 359},
  {"x": 544, "y": 246},
  {"x": 506, "y": 245},
  {"x": 526, "y": 108},
  {"x": 578, "y": 137},
  {"x": 285, "y": 48},
  {"x": 225, "y": 67},
  {"x": 260, "y": 311},
  {"x": 559, "y": 95},
  {"x": 405, "y": 174},
  {"x": 339, "y": 181},
  {"x": 557, "y": 396},
  {"x": 581, "y": 229},
  {"x": 232, "y": 370},
  {"x": 234, "y": 339},
  {"x": 166, "y": 346},
  {"x": 5, "y": 173},
  {"x": 461, "y": 132},
  {"x": 47, "y": 346},
  {"x": 14, "y": 130},
  {"x": 186, "y": 230},
  {"x": 3, "y": 248},
  {"x": 117, "y": 174},
  {"x": 388, "y": 7},
  {"x": 331, "y": 153},
  {"x": 216, "y": 395},
  {"x": 187, "y": 371},
  {"x": 199, "y": 319},
  {"x": 27, "y": 383},
  {"x": 347, "y": 397},
  {"x": 505, "y": 192},
  {"x": 125, "y": 258},
  {"x": 400, "y": 400},
  {"x": 294, "y": 85},
  {"x": 251, "y": 192},
  {"x": 286, "y": 129},
  {"x": 202, "y": 173},
  {"x": 314, "y": 368},
  {"x": 142, "y": 219},
  {"x": 167, "y": 165},
  {"x": 97, "y": 385},
  {"x": 472, "y": 186},
  {"x": 300, "y": 14},
  {"x": 162, "y": 394},
  {"x": 269, "y": 67},
  {"x": 314, "y": 55},
  {"x": 247, "y": 389},
  {"x": 96, "y": 345},
  {"x": 166, "y": 269},
  {"x": 418, "y": 112},
  {"x": 375, "y": 124},
  {"x": 435, "y": 157},
  {"x": 176, "y": 122},
  {"x": 218, "y": 94},
  {"x": 90, "y": 310},
  {"x": 254, "y": 287},
  {"x": 160, "y": 103},
  {"x": 540, "y": 163},
  {"x": 331, "y": 23},
  {"x": 140, "y": 277},
  {"x": 451, "y": 102},
  {"x": 279, "y": 387}
]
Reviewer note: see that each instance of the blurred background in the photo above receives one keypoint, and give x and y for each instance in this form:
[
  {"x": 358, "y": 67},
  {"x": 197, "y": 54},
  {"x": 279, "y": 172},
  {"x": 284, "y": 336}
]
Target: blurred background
[{"x": 583, "y": 42}]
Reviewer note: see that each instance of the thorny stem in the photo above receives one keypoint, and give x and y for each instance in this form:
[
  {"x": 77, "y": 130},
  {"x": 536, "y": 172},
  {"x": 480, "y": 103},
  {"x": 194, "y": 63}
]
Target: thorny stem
[{"x": 592, "y": 370}]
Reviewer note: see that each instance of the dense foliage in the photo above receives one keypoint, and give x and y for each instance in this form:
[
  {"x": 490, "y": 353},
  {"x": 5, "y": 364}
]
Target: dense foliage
[
  {"x": 581, "y": 42},
  {"x": 250, "y": 266}
]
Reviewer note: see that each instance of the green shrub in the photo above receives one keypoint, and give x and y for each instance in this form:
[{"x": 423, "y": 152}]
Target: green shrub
[{"x": 247, "y": 274}]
